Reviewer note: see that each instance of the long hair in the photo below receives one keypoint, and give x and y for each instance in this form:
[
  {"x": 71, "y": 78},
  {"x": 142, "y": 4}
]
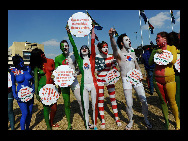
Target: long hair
[
  {"x": 16, "y": 60},
  {"x": 173, "y": 39},
  {"x": 36, "y": 59}
]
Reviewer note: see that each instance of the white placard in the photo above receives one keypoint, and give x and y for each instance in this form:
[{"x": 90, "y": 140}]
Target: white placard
[
  {"x": 163, "y": 58},
  {"x": 134, "y": 76},
  {"x": 63, "y": 76},
  {"x": 49, "y": 94},
  {"x": 25, "y": 94},
  {"x": 80, "y": 24},
  {"x": 112, "y": 76}
]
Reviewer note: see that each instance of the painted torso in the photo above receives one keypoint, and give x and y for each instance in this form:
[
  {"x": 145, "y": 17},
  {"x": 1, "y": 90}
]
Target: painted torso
[
  {"x": 87, "y": 71},
  {"x": 103, "y": 65},
  {"x": 45, "y": 73},
  {"x": 23, "y": 77},
  {"x": 68, "y": 60},
  {"x": 127, "y": 62}
]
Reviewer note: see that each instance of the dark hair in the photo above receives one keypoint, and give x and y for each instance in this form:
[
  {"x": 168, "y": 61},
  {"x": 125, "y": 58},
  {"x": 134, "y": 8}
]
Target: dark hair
[
  {"x": 163, "y": 34},
  {"x": 36, "y": 59},
  {"x": 84, "y": 46},
  {"x": 63, "y": 41},
  {"x": 120, "y": 39},
  {"x": 173, "y": 39},
  {"x": 100, "y": 45},
  {"x": 16, "y": 60}
]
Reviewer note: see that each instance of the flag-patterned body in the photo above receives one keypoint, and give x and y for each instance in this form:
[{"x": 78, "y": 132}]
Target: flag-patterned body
[{"x": 107, "y": 64}]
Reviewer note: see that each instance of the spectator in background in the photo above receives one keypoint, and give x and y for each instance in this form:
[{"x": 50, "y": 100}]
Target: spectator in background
[{"x": 149, "y": 69}]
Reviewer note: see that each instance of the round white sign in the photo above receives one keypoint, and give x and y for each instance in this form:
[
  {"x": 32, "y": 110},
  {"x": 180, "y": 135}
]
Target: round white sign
[
  {"x": 134, "y": 76},
  {"x": 25, "y": 94},
  {"x": 63, "y": 76},
  {"x": 112, "y": 76},
  {"x": 49, "y": 94},
  {"x": 80, "y": 24},
  {"x": 163, "y": 58}
]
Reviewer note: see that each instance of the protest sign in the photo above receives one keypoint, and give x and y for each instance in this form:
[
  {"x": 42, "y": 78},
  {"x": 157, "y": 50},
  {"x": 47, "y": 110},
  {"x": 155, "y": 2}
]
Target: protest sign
[
  {"x": 112, "y": 76},
  {"x": 63, "y": 76},
  {"x": 80, "y": 24},
  {"x": 49, "y": 94},
  {"x": 25, "y": 94},
  {"x": 163, "y": 58},
  {"x": 134, "y": 76}
]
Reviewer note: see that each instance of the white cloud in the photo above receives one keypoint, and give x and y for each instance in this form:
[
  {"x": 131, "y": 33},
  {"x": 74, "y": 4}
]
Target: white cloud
[
  {"x": 51, "y": 55},
  {"x": 51, "y": 42},
  {"x": 158, "y": 21}
]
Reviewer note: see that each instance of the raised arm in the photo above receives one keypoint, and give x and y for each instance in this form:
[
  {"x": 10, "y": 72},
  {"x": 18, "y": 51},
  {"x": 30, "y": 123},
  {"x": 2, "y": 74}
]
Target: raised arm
[
  {"x": 113, "y": 44},
  {"x": 93, "y": 44},
  {"x": 75, "y": 50}
]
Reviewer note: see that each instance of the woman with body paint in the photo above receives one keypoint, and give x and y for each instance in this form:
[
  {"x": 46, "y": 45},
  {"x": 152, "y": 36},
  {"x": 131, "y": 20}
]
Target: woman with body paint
[
  {"x": 164, "y": 79},
  {"x": 43, "y": 68},
  {"x": 22, "y": 76}
]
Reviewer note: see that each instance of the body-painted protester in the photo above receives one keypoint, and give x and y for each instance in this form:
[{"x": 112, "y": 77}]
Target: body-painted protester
[
  {"x": 127, "y": 61},
  {"x": 149, "y": 69},
  {"x": 86, "y": 63},
  {"x": 43, "y": 68},
  {"x": 174, "y": 39},
  {"x": 10, "y": 102},
  {"x": 67, "y": 58},
  {"x": 164, "y": 79},
  {"x": 22, "y": 76},
  {"x": 104, "y": 63}
]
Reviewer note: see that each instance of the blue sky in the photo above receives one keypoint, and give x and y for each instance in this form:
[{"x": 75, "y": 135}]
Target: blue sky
[{"x": 48, "y": 26}]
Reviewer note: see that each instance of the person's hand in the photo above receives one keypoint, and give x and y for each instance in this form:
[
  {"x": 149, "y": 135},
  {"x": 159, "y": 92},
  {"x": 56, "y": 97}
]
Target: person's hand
[
  {"x": 52, "y": 76},
  {"x": 159, "y": 51},
  {"x": 141, "y": 79},
  {"x": 67, "y": 28},
  {"x": 18, "y": 99},
  {"x": 111, "y": 32}
]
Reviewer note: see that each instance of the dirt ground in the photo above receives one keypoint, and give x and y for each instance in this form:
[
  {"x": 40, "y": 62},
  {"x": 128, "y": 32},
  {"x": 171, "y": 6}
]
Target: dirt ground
[{"x": 155, "y": 115}]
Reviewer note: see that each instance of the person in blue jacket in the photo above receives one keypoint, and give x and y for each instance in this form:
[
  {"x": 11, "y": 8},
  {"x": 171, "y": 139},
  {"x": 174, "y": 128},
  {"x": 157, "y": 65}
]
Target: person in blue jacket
[{"x": 149, "y": 69}]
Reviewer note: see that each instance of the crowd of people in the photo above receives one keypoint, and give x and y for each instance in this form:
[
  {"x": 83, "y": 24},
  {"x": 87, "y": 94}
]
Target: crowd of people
[{"x": 164, "y": 78}]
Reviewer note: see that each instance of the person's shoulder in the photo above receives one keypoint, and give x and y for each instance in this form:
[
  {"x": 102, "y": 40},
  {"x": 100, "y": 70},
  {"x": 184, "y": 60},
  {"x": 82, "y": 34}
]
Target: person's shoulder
[{"x": 59, "y": 56}]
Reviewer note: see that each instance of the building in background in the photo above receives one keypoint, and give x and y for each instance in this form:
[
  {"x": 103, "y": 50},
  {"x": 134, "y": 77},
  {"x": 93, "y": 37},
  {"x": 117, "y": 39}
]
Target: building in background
[{"x": 23, "y": 49}]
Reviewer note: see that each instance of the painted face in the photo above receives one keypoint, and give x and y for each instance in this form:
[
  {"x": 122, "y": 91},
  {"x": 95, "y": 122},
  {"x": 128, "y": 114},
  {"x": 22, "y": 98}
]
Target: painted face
[
  {"x": 65, "y": 47},
  {"x": 127, "y": 42},
  {"x": 105, "y": 49},
  {"x": 161, "y": 42},
  {"x": 84, "y": 51}
]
